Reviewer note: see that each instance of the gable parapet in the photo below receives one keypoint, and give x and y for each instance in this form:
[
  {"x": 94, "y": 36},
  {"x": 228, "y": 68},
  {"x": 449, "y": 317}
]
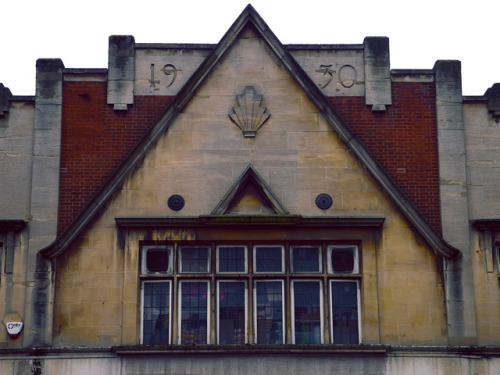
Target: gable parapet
[
  {"x": 462, "y": 328},
  {"x": 378, "y": 93},
  {"x": 121, "y": 71}
]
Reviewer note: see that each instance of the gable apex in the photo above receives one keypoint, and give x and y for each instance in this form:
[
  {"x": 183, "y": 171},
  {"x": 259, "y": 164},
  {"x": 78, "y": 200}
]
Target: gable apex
[{"x": 250, "y": 18}]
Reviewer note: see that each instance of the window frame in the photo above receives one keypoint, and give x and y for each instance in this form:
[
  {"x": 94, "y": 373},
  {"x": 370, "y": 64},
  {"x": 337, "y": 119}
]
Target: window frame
[
  {"x": 320, "y": 259},
  {"x": 217, "y": 317},
  {"x": 168, "y": 249},
  {"x": 181, "y": 247},
  {"x": 179, "y": 308},
  {"x": 496, "y": 247},
  {"x": 283, "y": 263},
  {"x": 358, "y": 304},
  {"x": 217, "y": 270},
  {"x": 283, "y": 310},
  {"x": 356, "y": 268},
  {"x": 151, "y": 281},
  {"x": 288, "y": 278},
  {"x": 321, "y": 308}
]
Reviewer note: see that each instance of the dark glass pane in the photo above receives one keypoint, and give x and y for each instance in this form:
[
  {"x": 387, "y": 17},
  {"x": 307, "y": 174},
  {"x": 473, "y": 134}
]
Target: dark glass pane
[
  {"x": 342, "y": 260},
  {"x": 156, "y": 314},
  {"x": 307, "y": 312},
  {"x": 269, "y": 312},
  {"x": 268, "y": 259},
  {"x": 345, "y": 312},
  {"x": 231, "y": 313},
  {"x": 305, "y": 259},
  {"x": 157, "y": 260},
  {"x": 195, "y": 259},
  {"x": 194, "y": 313},
  {"x": 231, "y": 259}
]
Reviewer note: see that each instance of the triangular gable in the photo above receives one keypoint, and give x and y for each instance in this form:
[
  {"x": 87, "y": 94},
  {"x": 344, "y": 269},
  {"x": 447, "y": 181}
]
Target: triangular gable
[
  {"x": 249, "y": 17},
  {"x": 250, "y": 195}
]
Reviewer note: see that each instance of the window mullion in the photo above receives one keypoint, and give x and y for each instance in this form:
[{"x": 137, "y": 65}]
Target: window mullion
[
  {"x": 287, "y": 298},
  {"x": 213, "y": 292},
  {"x": 250, "y": 296}
]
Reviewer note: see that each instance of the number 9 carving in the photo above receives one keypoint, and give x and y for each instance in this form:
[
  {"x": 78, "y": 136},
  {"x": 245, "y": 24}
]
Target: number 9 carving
[{"x": 170, "y": 70}]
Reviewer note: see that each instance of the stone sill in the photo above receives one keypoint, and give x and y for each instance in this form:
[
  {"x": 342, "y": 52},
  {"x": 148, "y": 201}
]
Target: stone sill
[{"x": 250, "y": 350}]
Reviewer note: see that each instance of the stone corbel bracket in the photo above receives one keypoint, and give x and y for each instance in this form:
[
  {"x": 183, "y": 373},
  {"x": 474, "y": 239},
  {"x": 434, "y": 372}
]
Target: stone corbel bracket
[
  {"x": 493, "y": 95},
  {"x": 121, "y": 71},
  {"x": 378, "y": 92},
  {"x": 249, "y": 116},
  {"x": 5, "y": 95}
]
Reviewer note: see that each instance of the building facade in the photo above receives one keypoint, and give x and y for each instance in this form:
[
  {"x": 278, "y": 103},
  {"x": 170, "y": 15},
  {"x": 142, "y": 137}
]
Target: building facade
[{"x": 249, "y": 207}]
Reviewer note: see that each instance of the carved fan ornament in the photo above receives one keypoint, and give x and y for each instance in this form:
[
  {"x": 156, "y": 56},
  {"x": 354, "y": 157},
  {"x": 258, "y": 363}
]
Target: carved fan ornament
[{"x": 249, "y": 116}]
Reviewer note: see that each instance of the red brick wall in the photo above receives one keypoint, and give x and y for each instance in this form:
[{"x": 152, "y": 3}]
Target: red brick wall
[
  {"x": 95, "y": 139},
  {"x": 403, "y": 140}
]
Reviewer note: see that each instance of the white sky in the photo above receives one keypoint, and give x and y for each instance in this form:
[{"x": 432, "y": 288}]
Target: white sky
[{"x": 420, "y": 32}]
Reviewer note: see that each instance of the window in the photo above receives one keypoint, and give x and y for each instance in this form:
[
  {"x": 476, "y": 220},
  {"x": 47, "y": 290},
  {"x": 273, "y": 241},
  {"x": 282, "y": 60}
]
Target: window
[
  {"x": 194, "y": 307},
  {"x": 231, "y": 259},
  {"x": 307, "y": 305},
  {"x": 250, "y": 293},
  {"x": 268, "y": 259},
  {"x": 497, "y": 255},
  {"x": 344, "y": 311},
  {"x": 269, "y": 312},
  {"x": 343, "y": 259},
  {"x": 194, "y": 259},
  {"x": 156, "y": 297},
  {"x": 231, "y": 312},
  {"x": 157, "y": 260},
  {"x": 306, "y": 259}
]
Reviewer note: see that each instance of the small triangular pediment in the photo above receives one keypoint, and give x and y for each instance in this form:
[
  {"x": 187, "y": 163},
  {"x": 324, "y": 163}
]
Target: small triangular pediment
[{"x": 250, "y": 195}]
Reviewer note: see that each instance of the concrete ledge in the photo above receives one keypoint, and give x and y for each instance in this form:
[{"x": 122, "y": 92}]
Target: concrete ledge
[
  {"x": 174, "y": 46},
  {"x": 271, "y": 350},
  {"x": 412, "y": 75}
]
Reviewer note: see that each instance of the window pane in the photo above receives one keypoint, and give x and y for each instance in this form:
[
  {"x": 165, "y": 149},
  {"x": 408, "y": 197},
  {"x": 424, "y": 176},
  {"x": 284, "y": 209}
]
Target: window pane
[
  {"x": 231, "y": 313},
  {"x": 305, "y": 259},
  {"x": 343, "y": 259},
  {"x": 156, "y": 313},
  {"x": 194, "y": 309},
  {"x": 157, "y": 260},
  {"x": 307, "y": 324},
  {"x": 231, "y": 258},
  {"x": 269, "y": 259},
  {"x": 269, "y": 312},
  {"x": 344, "y": 297},
  {"x": 195, "y": 259}
]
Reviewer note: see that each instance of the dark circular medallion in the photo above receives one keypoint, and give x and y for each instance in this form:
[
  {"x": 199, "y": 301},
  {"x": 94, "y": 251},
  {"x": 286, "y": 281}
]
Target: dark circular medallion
[
  {"x": 175, "y": 202},
  {"x": 324, "y": 201}
]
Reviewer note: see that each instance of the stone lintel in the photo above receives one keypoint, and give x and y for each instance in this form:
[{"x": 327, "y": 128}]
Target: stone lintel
[{"x": 246, "y": 220}]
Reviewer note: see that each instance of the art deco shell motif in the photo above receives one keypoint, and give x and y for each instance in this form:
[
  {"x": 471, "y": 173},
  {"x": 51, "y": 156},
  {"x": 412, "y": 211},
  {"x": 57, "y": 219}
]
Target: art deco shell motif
[{"x": 249, "y": 116}]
